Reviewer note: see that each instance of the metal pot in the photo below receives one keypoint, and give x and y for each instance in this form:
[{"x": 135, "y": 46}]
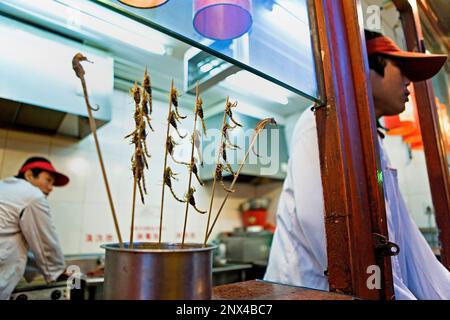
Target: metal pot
[{"x": 153, "y": 271}]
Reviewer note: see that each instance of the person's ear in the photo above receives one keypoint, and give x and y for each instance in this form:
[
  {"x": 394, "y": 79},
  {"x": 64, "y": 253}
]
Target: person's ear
[{"x": 29, "y": 175}]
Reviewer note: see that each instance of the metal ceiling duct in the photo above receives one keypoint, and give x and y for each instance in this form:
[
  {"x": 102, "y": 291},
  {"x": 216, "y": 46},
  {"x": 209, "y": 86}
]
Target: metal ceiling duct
[{"x": 38, "y": 89}]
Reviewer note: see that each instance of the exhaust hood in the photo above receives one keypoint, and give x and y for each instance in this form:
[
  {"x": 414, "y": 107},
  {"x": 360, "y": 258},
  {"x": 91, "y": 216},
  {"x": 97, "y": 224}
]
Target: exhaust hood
[
  {"x": 271, "y": 147},
  {"x": 38, "y": 88}
]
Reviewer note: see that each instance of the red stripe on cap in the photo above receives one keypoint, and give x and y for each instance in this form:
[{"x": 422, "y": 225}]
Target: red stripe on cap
[
  {"x": 381, "y": 45},
  {"x": 38, "y": 165}
]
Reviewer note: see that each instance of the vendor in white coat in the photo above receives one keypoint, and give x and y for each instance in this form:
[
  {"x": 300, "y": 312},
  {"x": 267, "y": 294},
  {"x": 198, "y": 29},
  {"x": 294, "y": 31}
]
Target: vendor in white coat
[
  {"x": 26, "y": 224},
  {"x": 298, "y": 255}
]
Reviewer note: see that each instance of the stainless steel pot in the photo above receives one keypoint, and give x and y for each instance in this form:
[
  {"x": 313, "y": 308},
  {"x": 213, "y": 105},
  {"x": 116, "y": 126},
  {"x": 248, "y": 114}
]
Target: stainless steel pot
[{"x": 152, "y": 271}]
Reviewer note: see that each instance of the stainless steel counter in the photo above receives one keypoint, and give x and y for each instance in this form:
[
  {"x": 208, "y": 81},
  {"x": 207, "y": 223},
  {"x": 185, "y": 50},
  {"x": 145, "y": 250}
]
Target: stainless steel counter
[{"x": 92, "y": 288}]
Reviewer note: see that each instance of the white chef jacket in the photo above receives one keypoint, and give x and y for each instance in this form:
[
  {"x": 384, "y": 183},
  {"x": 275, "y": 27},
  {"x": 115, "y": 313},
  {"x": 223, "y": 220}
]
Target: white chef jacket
[
  {"x": 26, "y": 223},
  {"x": 299, "y": 256}
]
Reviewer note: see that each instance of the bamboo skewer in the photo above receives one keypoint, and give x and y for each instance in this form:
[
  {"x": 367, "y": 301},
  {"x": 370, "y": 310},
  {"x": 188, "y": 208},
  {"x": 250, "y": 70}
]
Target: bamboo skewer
[
  {"x": 79, "y": 71},
  {"x": 132, "y": 213},
  {"x": 141, "y": 152},
  {"x": 165, "y": 164},
  {"x": 259, "y": 127},
  {"x": 138, "y": 136},
  {"x": 215, "y": 177},
  {"x": 194, "y": 132}
]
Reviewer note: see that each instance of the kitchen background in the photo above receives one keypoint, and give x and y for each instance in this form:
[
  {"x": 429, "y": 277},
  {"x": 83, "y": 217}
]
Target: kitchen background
[{"x": 81, "y": 212}]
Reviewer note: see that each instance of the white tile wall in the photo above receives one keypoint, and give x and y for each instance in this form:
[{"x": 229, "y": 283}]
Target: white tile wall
[
  {"x": 68, "y": 216},
  {"x": 18, "y": 149}
]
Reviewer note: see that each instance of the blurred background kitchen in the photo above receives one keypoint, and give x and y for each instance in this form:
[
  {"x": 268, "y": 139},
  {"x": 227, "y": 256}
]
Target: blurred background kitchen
[{"x": 43, "y": 113}]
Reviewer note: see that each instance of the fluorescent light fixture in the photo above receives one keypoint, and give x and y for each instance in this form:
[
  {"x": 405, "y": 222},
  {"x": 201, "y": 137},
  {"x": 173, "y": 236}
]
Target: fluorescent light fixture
[
  {"x": 244, "y": 80},
  {"x": 92, "y": 20}
]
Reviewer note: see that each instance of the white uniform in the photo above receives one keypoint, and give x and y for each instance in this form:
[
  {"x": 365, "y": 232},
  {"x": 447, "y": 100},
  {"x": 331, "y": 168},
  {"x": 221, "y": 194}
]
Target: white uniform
[
  {"x": 26, "y": 223},
  {"x": 298, "y": 255}
]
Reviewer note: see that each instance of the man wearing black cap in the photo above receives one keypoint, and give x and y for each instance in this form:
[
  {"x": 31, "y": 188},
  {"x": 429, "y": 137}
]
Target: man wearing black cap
[
  {"x": 26, "y": 224},
  {"x": 298, "y": 255}
]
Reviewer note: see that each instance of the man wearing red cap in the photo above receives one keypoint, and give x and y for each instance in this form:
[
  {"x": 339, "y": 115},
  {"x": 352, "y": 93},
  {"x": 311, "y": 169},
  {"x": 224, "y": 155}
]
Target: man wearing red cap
[
  {"x": 298, "y": 255},
  {"x": 26, "y": 224}
]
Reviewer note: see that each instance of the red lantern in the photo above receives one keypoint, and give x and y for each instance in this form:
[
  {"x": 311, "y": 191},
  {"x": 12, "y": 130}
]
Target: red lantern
[
  {"x": 414, "y": 137},
  {"x": 417, "y": 146},
  {"x": 397, "y": 127}
]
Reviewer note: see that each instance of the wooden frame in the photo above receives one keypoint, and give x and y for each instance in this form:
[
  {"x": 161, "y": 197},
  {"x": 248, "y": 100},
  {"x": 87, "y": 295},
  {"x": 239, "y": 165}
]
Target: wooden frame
[{"x": 346, "y": 127}]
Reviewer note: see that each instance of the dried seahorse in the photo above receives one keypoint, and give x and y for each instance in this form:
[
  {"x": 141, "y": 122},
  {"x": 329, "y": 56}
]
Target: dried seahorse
[
  {"x": 229, "y": 113},
  {"x": 190, "y": 198},
  {"x": 79, "y": 72},
  {"x": 136, "y": 92},
  {"x": 170, "y": 149},
  {"x": 198, "y": 147},
  {"x": 168, "y": 176},
  {"x": 144, "y": 109},
  {"x": 259, "y": 127},
  {"x": 199, "y": 108},
  {"x": 148, "y": 88},
  {"x": 173, "y": 118},
  {"x": 138, "y": 163},
  {"x": 175, "y": 95},
  {"x": 219, "y": 177},
  {"x": 195, "y": 172},
  {"x": 226, "y": 136}
]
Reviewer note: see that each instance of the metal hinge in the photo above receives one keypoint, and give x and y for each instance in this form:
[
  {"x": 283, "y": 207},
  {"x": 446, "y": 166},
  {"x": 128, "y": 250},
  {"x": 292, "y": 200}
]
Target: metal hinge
[
  {"x": 383, "y": 247},
  {"x": 317, "y": 106}
]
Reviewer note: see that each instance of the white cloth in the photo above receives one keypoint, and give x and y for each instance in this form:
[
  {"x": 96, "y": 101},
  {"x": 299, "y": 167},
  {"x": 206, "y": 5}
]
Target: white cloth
[
  {"x": 298, "y": 255},
  {"x": 26, "y": 224}
]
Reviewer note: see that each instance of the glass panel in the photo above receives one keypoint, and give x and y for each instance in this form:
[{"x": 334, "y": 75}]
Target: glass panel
[{"x": 277, "y": 46}]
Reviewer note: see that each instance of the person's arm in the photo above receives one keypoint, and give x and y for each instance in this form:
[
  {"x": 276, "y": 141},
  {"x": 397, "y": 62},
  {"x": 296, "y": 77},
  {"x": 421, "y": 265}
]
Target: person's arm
[
  {"x": 32, "y": 270},
  {"x": 40, "y": 233}
]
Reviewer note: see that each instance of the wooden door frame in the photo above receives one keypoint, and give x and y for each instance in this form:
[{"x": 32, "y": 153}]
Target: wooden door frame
[{"x": 350, "y": 167}]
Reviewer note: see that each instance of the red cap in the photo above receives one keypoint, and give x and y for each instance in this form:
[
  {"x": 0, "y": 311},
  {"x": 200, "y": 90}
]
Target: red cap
[
  {"x": 60, "y": 179},
  {"x": 414, "y": 65}
]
